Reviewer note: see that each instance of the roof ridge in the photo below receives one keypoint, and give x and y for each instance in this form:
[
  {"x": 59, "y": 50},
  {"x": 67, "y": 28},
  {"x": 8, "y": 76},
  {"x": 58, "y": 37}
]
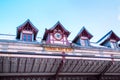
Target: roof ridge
[
  {"x": 109, "y": 33},
  {"x": 27, "y": 21},
  {"x": 107, "y": 36},
  {"x": 83, "y": 28},
  {"x": 58, "y": 22}
]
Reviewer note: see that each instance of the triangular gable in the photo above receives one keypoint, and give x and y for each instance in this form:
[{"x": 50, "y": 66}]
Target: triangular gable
[
  {"x": 60, "y": 26},
  {"x": 27, "y": 25},
  {"x": 108, "y": 36},
  {"x": 83, "y": 32},
  {"x": 57, "y": 25}
]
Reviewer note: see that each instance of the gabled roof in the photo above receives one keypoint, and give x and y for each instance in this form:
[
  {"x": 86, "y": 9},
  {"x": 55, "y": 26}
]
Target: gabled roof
[
  {"x": 25, "y": 24},
  {"x": 57, "y": 25},
  {"x": 82, "y": 32},
  {"x": 108, "y": 36}
]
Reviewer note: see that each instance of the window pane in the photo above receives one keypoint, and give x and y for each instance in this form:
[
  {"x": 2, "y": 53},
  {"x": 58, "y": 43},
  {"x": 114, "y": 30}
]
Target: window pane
[
  {"x": 86, "y": 42},
  {"x": 29, "y": 37},
  {"x": 24, "y": 37},
  {"x": 82, "y": 42},
  {"x": 114, "y": 45}
]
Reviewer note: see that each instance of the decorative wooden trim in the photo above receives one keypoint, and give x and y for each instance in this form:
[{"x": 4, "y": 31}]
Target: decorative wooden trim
[
  {"x": 112, "y": 40},
  {"x": 84, "y": 37}
]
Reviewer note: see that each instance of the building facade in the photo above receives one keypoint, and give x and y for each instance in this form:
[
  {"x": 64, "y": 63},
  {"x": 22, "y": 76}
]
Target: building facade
[{"x": 25, "y": 56}]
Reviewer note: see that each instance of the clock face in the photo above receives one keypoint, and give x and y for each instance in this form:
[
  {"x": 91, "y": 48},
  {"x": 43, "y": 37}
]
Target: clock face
[{"x": 58, "y": 36}]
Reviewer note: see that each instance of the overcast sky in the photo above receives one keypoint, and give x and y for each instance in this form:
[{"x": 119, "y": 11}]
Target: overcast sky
[{"x": 98, "y": 16}]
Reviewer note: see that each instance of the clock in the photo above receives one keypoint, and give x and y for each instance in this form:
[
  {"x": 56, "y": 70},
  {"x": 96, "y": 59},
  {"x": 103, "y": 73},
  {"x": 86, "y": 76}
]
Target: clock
[{"x": 58, "y": 36}]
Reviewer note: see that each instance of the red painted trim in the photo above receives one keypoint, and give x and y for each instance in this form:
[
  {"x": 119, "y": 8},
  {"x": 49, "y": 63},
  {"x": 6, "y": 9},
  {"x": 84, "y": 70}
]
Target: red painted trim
[
  {"x": 48, "y": 39},
  {"x": 48, "y": 34},
  {"x": 60, "y": 65},
  {"x": 63, "y": 40},
  {"x": 112, "y": 58}
]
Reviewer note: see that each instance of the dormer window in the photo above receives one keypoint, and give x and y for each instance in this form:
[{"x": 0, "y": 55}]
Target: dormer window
[
  {"x": 84, "y": 41},
  {"x": 27, "y": 31},
  {"x": 113, "y": 43},
  {"x": 83, "y": 38},
  {"x": 56, "y": 35},
  {"x": 27, "y": 35},
  {"x": 109, "y": 40}
]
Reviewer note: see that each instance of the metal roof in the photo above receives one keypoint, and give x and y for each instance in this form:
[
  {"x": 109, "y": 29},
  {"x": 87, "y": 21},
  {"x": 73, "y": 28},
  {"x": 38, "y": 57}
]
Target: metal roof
[
  {"x": 21, "y": 60},
  {"x": 57, "y": 67},
  {"x": 108, "y": 36}
]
